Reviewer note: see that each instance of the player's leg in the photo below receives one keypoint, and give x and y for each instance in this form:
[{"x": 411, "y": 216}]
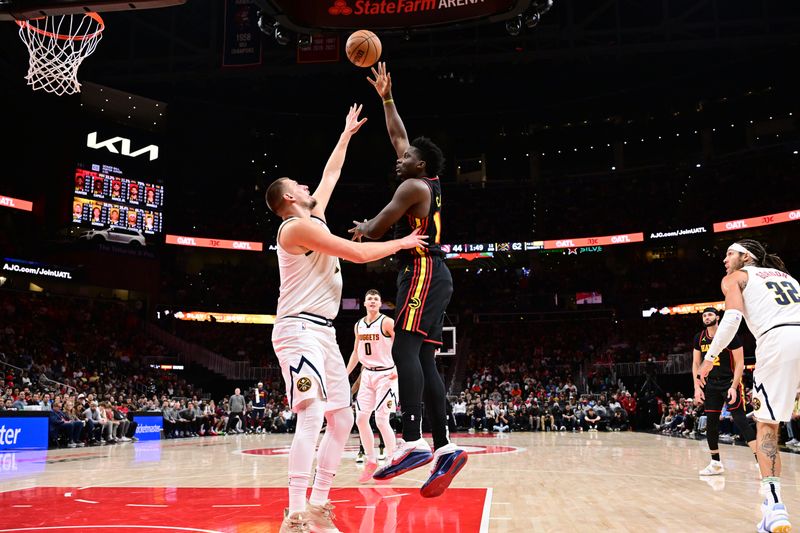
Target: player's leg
[
  {"x": 434, "y": 396},
  {"x": 339, "y": 418},
  {"x": 775, "y": 383},
  {"x": 384, "y": 410},
  {"x": 713, "y": 408},
  {"x": 412, "y": 451},
  {"x": 365, "y": 403}
]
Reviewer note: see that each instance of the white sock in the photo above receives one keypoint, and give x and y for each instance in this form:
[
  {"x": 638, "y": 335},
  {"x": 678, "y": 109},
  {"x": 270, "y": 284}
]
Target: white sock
[
  {"x": 771, "y": 489},
  {"x": 330, "y": 452},
  {"x": 301, "y": 454}
]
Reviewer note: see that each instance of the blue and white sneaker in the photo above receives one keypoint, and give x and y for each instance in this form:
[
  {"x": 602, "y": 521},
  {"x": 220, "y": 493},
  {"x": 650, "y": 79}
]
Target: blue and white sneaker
[
  {"x": 775, "y": 520},
  {"x": 448, "y": 461},
  {"x": 407, "y": 456}
]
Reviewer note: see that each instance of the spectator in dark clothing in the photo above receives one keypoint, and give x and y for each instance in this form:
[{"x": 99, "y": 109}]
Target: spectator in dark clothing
[{"x": 619, "y": 421}]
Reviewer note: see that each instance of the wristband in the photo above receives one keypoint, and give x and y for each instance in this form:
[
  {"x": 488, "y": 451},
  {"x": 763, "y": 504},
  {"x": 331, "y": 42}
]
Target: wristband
[{"x": 388, "y": 101}]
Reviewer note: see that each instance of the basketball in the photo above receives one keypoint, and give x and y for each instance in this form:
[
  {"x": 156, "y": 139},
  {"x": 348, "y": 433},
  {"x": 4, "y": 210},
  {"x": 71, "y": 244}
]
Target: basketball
[{"x": 363, "y": 48}]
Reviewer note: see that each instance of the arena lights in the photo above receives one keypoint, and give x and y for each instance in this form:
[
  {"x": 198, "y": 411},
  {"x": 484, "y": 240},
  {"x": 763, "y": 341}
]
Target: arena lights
[
  {"x": 15, "y": 203},
  {"x": 682, "y": 309},
  {"x": 765, "y": 220},
  {"x": 228, "y": 318},
  {"x": 215, "y": 243}
]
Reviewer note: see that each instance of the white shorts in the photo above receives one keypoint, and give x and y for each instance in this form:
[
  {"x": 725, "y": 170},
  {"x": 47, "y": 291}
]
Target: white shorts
[
  {"x": 777, "y": 374},
  {"x": 311, "y": 363},
  {"x": 378, "y": 391}
]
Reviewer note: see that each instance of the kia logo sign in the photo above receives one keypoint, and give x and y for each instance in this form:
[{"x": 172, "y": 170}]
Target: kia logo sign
[{"x": 124, "y": 146}]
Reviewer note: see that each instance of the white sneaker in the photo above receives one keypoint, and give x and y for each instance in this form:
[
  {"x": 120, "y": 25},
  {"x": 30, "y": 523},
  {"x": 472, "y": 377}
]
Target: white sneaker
[
  {"x": 381, "y": 454},
  {"x": 321, "y": 518},
  {"x": 407, "y": 456},
  {"x": 360, "y": 458},
  {"x": 793, "y": 442},
  {"x": 295, "y": 523},
  {"x": 714, "y": 468},
  {"x": 775, "y": 519}
]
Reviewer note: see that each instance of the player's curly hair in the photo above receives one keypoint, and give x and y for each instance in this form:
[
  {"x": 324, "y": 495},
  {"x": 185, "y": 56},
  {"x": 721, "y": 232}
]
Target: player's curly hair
[
  {"x": 431, "y": 154},
  {"x": 762, "y": 258}
]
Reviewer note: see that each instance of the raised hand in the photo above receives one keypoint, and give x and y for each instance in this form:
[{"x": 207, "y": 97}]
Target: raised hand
[
  {"x": 382, "y": 81},
  {"x": 352, "y": 124}
]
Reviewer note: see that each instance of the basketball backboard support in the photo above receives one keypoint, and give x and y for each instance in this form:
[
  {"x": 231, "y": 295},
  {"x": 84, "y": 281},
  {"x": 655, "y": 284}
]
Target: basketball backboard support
[
  {"x": 29, "y": 9},
  {"x": 448, "y": 341}
]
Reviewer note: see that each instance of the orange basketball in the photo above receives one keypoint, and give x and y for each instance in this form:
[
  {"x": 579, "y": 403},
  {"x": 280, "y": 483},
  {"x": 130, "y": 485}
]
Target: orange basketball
[{"x": 363, "y": 48}]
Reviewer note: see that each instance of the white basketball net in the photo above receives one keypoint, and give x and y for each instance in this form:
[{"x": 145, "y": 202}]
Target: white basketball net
[{"x": 57, "y": 46}]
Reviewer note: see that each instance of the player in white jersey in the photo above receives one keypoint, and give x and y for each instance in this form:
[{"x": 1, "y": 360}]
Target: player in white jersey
[
  {"x": 378, "y": 391},
  {"x": 304, "y": 338},
  {"x": 759, "y": 289}
]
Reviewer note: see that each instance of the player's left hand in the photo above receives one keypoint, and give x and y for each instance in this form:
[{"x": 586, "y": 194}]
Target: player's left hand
[
  {"x": 356, "y": 231},
  {"x": 702, "y": 373},
  {"x": 352, "y": 124},
  {"x": 732, "y": 394}
]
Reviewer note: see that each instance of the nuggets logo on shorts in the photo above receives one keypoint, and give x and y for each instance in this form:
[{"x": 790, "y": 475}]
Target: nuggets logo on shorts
[
  {"x": 756, "y": 404},
  {"x": 389, "y": 404},
  {"x": 303, "y": 384},
  {"x": 414, "y": 303}
]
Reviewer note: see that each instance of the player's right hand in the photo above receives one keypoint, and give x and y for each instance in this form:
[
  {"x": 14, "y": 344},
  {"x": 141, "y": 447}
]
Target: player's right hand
[
  {"x": 382, "y": 81},
  {"x": 414, "y": 240},
  {"x": 698, "y": 395}
]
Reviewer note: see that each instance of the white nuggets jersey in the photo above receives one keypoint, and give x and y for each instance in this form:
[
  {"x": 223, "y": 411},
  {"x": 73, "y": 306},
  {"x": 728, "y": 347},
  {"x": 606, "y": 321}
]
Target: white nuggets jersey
[
  {"x": 310, "y": 282},
  {"x": 374, "y": 347},
  {"x": 771, "y": 298}
]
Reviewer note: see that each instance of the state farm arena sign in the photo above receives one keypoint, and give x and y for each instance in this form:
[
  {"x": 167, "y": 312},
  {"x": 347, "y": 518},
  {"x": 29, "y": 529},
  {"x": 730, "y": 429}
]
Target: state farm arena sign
[{"x": 388, "y": 14}]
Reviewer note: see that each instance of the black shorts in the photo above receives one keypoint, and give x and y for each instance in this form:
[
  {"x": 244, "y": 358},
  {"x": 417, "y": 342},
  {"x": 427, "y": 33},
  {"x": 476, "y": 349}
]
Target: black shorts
[
  {"x": 424, "y": 288},
  {"x": 716, "y": 393}
]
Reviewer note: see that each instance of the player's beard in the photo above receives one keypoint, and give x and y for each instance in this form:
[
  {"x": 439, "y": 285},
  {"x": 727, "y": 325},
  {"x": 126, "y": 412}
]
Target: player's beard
[
  {"x": 716, "y": 321},
  {"x": 312, "y": 203}
]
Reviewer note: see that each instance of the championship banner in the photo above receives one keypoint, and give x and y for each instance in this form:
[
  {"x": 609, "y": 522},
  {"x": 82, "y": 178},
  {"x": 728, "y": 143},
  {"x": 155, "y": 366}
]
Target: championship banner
[{"x": 242, "y": 41}]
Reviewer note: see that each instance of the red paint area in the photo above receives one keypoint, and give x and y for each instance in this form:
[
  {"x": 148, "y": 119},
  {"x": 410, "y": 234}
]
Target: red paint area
[{"x": 164, "y": 509}]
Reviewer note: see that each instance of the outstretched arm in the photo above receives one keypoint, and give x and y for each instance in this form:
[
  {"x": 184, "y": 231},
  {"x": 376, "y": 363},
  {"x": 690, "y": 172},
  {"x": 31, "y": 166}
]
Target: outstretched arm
[
  {"x": 407, "y": 195},
  {"x": 303, "y": 235},
  {"x": 333, "y": 168},
  {"x": 394, "y": 124}
]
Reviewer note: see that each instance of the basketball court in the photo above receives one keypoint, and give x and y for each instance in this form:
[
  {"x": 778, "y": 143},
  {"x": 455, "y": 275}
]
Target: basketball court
[{"x": 514, "y": 482}]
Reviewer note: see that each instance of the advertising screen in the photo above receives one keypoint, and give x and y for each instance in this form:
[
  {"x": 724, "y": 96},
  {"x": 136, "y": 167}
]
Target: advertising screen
[{"x": 103, "y": 199}]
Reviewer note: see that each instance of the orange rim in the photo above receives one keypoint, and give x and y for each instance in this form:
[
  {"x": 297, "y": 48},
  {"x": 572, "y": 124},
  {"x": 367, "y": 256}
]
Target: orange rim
[{"x": 92, "y": 15}]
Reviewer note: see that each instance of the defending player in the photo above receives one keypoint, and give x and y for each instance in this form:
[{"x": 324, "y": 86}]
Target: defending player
[{"x": 304, "y": 339}]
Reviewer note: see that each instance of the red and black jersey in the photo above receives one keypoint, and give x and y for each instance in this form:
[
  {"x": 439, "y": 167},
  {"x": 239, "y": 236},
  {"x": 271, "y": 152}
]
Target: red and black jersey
[
  {"x": 723, "y": 364},
  {"x": 431, "y": 225}
]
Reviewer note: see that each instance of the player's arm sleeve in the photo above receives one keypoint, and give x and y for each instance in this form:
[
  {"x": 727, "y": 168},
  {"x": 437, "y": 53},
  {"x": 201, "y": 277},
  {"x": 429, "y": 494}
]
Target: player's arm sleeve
[
  {"x": 729, "y": 325},
  {"x": 735, "y": 343}
]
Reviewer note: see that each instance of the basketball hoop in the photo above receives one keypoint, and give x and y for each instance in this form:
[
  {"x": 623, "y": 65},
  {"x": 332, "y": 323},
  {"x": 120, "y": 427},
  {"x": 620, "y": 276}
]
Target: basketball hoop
[{"x": 57, "y": 45}]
